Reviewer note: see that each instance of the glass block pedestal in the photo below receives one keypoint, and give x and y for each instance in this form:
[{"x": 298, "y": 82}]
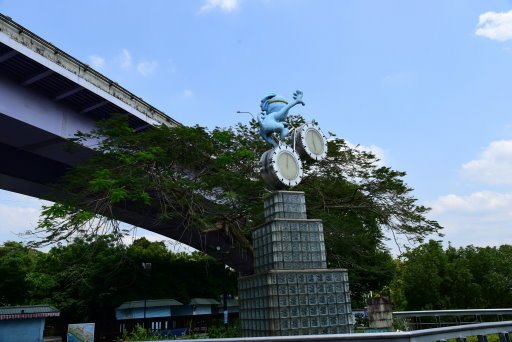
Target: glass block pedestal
[{"x": 292, "y": 292}]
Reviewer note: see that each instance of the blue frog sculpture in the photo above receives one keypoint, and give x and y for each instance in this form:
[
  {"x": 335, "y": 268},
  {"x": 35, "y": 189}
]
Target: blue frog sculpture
[{"x": 272, "y": 119}]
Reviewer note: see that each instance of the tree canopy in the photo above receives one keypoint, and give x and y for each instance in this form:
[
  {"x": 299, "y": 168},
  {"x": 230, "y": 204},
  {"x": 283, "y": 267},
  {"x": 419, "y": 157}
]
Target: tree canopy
[
  {"x": 433, "y": 278},
  {"x": 88, "y": 278},
  {"x": 209, "y": 181}
]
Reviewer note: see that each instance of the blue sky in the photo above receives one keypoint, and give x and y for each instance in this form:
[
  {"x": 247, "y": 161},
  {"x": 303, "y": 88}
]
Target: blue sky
[{"x": 424, "y": 84}]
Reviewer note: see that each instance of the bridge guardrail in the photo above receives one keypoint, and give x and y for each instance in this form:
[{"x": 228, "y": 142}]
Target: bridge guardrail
[
  {"x": 52, "y": 53},
  {"x": 459, "y": 332}
]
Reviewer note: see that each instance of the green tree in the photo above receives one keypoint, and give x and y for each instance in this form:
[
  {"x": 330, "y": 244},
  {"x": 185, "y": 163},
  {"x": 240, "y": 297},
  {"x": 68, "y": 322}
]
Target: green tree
[
  {"x": 491, "y": 268},
  {"x": 208, "y": 181},
  {"x": 82, "y": 279},
  {"x": 423, "y": 276},
  {"x": 88, "y": 278},
  {"x": 431, "y": 277},
  {"x": 16, "y": 263}
]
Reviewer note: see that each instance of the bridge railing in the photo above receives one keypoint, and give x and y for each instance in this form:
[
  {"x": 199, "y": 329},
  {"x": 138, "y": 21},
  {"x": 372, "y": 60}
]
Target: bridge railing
[
  {"x": 52, "y": 53},
  {"x": 459, "y": 333},
  {"x": 438, "y": 318}
]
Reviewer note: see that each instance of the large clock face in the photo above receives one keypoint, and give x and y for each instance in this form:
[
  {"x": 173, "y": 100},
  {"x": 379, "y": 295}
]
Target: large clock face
[
  {"x": 311, "y": 142},
  {"x": 315, "y": 141},
  {"x": 281, "y": 167},
  {"x": 288, "y": 165}
]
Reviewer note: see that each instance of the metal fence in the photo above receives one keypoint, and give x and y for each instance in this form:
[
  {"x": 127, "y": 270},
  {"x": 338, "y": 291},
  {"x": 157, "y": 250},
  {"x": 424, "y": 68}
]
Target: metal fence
[
  {"x": 414, "y": 320},
  {"x": 459, "y": 333}
]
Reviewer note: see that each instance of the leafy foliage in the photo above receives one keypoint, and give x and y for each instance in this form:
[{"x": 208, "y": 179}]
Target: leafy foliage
[
  {"x": 470, "y": 277},
  {"x": 16, "y": 261},
  {"x": 139, "y": 333},
  {"x": 183, "y": 173},
  {"x": 88, "y": 279},
  {"x": 209, "y": 180}
]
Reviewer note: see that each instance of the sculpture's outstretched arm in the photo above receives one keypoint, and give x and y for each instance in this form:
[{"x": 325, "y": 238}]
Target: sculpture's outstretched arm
[{"x": 297, "y": 99}]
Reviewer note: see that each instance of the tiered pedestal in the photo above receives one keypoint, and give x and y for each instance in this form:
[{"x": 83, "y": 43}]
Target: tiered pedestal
[{"x": 292, "y": 292}]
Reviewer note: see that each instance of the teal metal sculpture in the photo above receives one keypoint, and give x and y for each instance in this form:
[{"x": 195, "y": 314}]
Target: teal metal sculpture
[
  {"x": 281, "y": 166},
  {"x": 272, "y": 119}
]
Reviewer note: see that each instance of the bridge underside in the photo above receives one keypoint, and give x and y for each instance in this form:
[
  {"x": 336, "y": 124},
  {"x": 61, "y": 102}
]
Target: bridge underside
[
  {"x": 41, "y": 106},
  {"x": 33, "y": 161}
]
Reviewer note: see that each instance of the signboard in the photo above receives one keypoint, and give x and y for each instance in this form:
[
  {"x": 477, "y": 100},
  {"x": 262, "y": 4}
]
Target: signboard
[{"x": 81, "y": 332}]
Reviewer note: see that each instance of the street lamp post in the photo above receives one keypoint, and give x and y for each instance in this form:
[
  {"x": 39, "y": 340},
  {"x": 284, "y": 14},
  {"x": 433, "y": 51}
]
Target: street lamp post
[
  {"x": 225, "y": 299},
  {"x": 147, "y": 268}
]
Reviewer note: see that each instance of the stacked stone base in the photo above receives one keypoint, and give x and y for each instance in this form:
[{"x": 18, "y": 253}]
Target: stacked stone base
[
  {"x": 305, "y": 302},
  {"x": 292, "y": 292}
]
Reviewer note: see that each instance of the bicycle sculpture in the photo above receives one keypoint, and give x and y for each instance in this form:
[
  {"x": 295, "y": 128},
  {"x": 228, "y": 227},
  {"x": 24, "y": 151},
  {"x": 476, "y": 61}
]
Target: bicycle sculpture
[{"x": 281, "y": 166}]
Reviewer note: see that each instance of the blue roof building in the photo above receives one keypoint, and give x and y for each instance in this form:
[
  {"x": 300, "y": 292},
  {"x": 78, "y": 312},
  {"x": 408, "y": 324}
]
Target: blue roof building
[
  {"x": 24, "y": 323},
  {"x": 170, "y": 317},
  {"x": 151, "y": 308}
]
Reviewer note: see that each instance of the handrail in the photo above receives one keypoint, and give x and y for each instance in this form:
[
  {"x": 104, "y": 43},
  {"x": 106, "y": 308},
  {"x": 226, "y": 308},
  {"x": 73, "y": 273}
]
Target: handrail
[
  {"x": 427, "y": 335},
  {"x": 456, "y": 312}
]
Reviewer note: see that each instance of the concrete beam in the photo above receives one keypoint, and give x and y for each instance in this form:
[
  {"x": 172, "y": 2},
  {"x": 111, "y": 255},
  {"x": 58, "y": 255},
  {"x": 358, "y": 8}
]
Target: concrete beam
[
  {"x": 140, "y": 128},
  {"x": 8, "y": 55},
  {"x": 36, "y": 48},
  {"x": 37, "y": 77},
  {"x": 93, "y": 107},
  {"x": 68, "y": 93}
]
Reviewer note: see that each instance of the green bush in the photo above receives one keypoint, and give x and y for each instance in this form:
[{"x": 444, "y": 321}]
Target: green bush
[
  {"x": 220, "y": 331},
  {"x": 139, "y": 333}
]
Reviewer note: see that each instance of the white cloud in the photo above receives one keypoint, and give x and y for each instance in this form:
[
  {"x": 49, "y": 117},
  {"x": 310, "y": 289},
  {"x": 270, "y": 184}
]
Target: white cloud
[
  {"x": 97, "y": 62},
  {"x": 227, "y": 6},
  {"x": 125, "y": 59},
  {"x": 18, "y": 213},
  {"x": 478, "y": 202},
  {"x": 146, "y": 68},
  {"x": 495, "y": 26},
  {"x": 377, "y": 151},
  {"x": 494, "y": 165},
  {"x": 187, "y": 93},
  {"x": 480, "y": 219}
]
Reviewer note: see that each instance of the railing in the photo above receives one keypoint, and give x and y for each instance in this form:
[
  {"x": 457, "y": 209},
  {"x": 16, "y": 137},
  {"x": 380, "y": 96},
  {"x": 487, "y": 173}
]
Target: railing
[
  {"x": 459, "y": 333},
  {"x": 439, "y": 318}
]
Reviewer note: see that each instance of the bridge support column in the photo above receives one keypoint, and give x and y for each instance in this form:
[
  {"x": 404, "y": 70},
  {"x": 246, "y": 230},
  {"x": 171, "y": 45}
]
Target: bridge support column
[{"x": 292, "y": 292}]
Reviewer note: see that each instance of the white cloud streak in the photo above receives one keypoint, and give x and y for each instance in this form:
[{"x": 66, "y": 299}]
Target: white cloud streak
[
  {"x": 377, "y": 151},
  {"x": 187, "y": 93},
  {"x": 495, "y": 26},
  {"x": 146, "y": 68},
  {"x": 480, "y": 219},
  {"x": 18, "y": 213},
  {"x": 494, "y": 165},
  {"x": 97, "y": 62},
  {"x": 227, "y": 6},
  {"x": 125, "y": 60}
]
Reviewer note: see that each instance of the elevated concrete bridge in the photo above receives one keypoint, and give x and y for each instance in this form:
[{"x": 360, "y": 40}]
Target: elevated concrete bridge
[{"x": 46, "y": 96}]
